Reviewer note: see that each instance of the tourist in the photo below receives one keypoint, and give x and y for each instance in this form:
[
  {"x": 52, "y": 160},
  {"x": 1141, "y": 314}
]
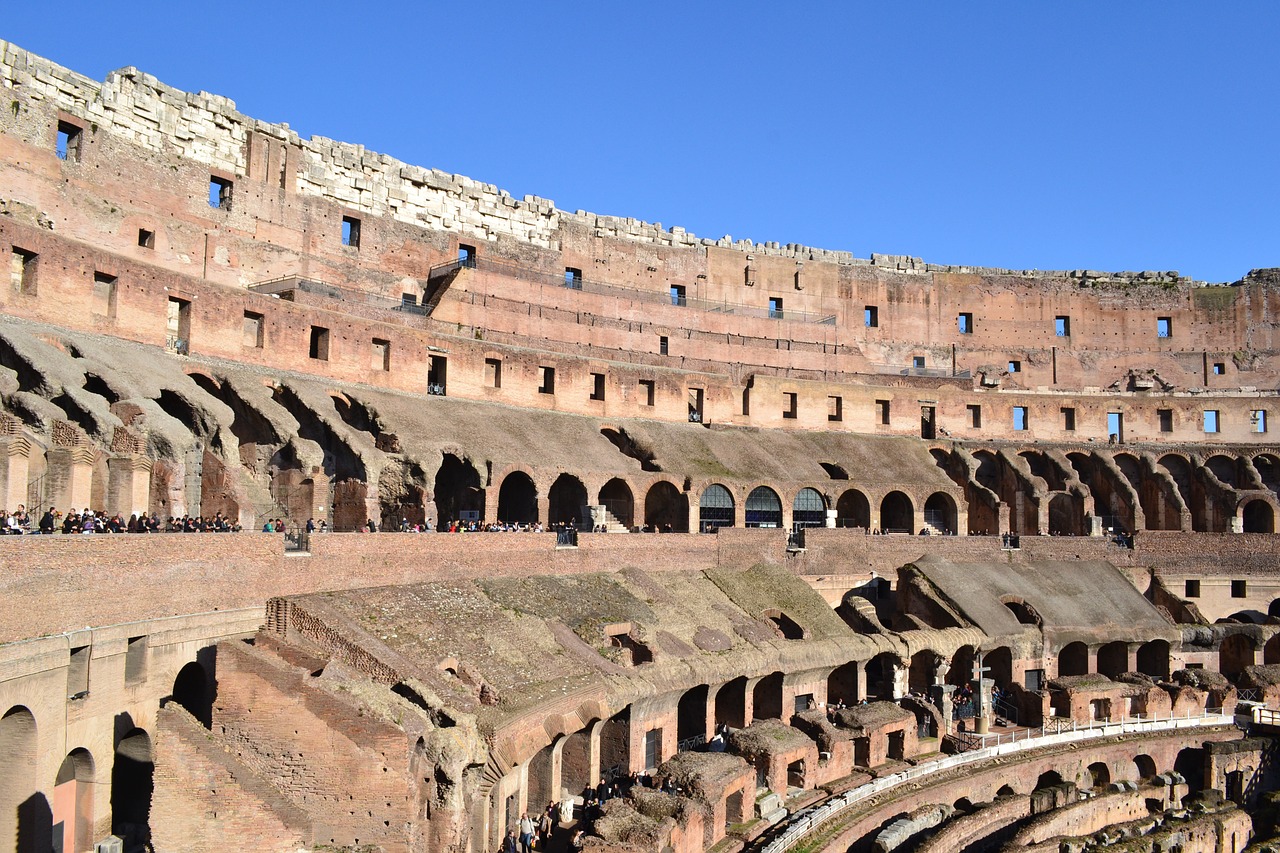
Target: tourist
[{"x": 526, "y": 825}]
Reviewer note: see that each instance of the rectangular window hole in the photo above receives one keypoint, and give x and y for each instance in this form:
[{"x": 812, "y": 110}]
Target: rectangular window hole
[
  {"x": 318, "y": 347},
  {"x": 1211, "y": 420},
  {"x": 547, "y": 380},
  {"x": 252, "y": 329},
  {"x": 23, "y": 271},
  {"x": 1164, "y": 327},
  {"x": 882, "y": 412},
  {"x": 70, "y": 139},
  {"x": 597, "y": 386},
  {"x": 663, "y": 346},
  {"x": 975, "y": 416},
  {"x": 220, "y": 192},
  {"x": 964, "y": 323},
  {"x": 573, "y": 278},
  {"x": 789, "y": 405},
  {"x": 493, "y": 372},
  {"x": 1020, "y": 418},
  {"x": 871, "y": 316},
  {"x": 835, "y": 409},
  {"x": 381, "y": 355},
  {"x": 1239, "y": 589},
  {"x": 351, "y": 232},
  {"x": 146, "y": 239},
  {"x": 647, "y": 391},
  {"x": 1062, "y": 326},
  {"x": 1191, "y": 588},
  {"x": 104, "y": 294},
  {"x": 1165, "y": 417},
  {"x": 1068, "y": 419},
  {"x": 437, "y": 375}
]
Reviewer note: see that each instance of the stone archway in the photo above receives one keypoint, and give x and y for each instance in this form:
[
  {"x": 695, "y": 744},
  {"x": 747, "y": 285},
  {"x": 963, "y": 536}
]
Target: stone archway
[
  {"x": 24, "y": 825},
  {"x": 517, "y": 499},
  {"x": 73, "y": 802},
  {"x": 716, "y": 509},
  {"x": 667, "y": 508},
  {"x": 763, "y": 508},
  {"x": 192, "y": 690},
  {"x": 940, "y": 513},
  {"x": 132, "y": 782},
  {"x": 1258, "y": 517},
  {"x": 853, "y": 510},
  {"x": 459, "y": 493},
  {"x": 1235, "y": 653},
  {"x": 897, "y": 515},
  {"x": 1073, "y": 659},
  {"x": 616, "y": 497},
  {"x": 566, "y": 500},
  {"x": 809, "y": 509}
]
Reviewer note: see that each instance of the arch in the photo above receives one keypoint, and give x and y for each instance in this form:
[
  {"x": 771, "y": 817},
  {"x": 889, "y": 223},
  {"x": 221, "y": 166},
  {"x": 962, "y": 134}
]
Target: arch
[
  {"x": 132, "y": 782},
  {"x": 566, "y": 500},
  {"x": 1073, "y": 659},
  {"x": 691, "y": 717},
  {"x": 853, "y": 509},
  {"x": 1066, "y": 515},
  {"x": 1190, "y": 765},
  {"x": 616, "y": 497},
  {"x": 766, "y": 698},
  {"x": 1113, "y": 659},
  {"x": 1048, "y": 779},
  {"x": 1235, "y": 653},
  {"x": 192, "y": 689},
  {"x": 1006, "y": 791},
  {"x": 1153, "y": 659},
  {"x": 715, "y": 508},
  {"x": 1271, "y": 651},
  {"x": 666, "y": 508},
  {"x": 731, "y": 703},
  {"x": 1098, "y": 775},
  {"x": 921, "y": 670},
  {"x": 763, "y": 508},
  {"x": 897, "y": 514},
  {"x": 961, "y": 669},
  {"x": 987, "y": 473},
  {"x": 1225, "y": 469},
  {"x": 1022, "y": 611},
  {"x": 518, "y": 499},
  {"x": 459, "y": 493},
  {"x": 940, "y": 513},
  {"x": 1258, "y": 517},
  {"x": 73, "y": 802},
  {"x": 881, "y": 674},
  {"x": 999, "y": 663},
  {"x": 1145, "y": 766},
  {"x": 809, "y": 509},
  {"x": 21, "y": 821},
  {"x": 842, "y": 684}
]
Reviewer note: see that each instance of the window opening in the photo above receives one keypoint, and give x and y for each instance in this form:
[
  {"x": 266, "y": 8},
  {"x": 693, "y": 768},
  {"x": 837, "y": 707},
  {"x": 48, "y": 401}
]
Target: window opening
[
  {"x": 70, "y": 138},
  {"x": 1259, "y": 419},
  {"x": 835, "y": 409},
  {"x": 1115, "y": 427},
  {"x": 253, "y": 329},
  {"x": 871, "y": 316},
  {"x": 381, "y": 355},
  {"x": 437, "y": 375},
  {"x": 104, "y": 294},
  {"x": 917, "y": 361},
  {"x": 1068, "y": 419},
  {"x": 1015, "y": 367},
  {"x": 23, "y": 271},
  {"x": 547, "y": 384},
  {"x": 1211, "y": 420},
  {"x": 1239, "y": 589},
  {"x": 467, "y": 255},
  {"x": 146, "y": 239},
  {"x": 597, "y": 386},
  {"x": 220, "y": 192},
  {"x": 319, "y": 345},
  {"x": 1191, "y": 588},
  {"x": 677, "y": 294},
  {"x": 789, "y": 405},
  {"x": 1062, "y": 327},
  {"x": 928, "y": 421},
  {"x": 1219, "y": 368},
  {"x": 695, "y": 405},
  {"x": 975, "y": 416},
  {"x": 964, "y": 323},
  {"x": 647, "y": 391},
  {"x": 775, "y": 307},
  {"x": 351, "y": 232},
  {"x": 178, "y": 326},
  {"x": 1164, "y": 327},
  {"x": 493, "y": 372},
  {"x": 662, "y": 345},
  {"x": 1020, "y": 418},
  {"x": 882, "y": 411},
  {"x": 573, "y": 278},
  {"x": 1165, "y": 416}
]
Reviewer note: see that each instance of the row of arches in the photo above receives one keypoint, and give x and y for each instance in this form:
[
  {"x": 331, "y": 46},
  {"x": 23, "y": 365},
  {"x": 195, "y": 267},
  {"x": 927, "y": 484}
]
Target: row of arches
[{"x": 31, "y": 823}]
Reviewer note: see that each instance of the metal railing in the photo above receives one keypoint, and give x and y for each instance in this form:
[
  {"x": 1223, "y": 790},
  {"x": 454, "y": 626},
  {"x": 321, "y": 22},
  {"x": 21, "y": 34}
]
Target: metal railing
[
  {"x": 286, "y": 285},
  {"x": 621, "y": 291},
  {"x": 297, "y": 540},
  {"x": 435, "y": 390},
  {"x": 788, "y": 834},
  {"x": 173, "y": 343}
]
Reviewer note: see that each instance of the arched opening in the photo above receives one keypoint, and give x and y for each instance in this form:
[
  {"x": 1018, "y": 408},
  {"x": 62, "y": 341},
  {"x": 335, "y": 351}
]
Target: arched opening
[
  {"x": 764, "y": 508},
  {"x": 1190, "y": 765},
  {"x": 809, "y": 509},
  {"x": 615, "y": 496},
  {"x": 691, "y": 718},
  {"x": 731, "y": 703},
  {"x": 459, "y": 493},
  {"x": 402, "y": 495},
  {"x": 566, "y": 501},
  {"x": 541, "y": 784},
  {"x": 1258, "y": 517},
  {"x": 1048, "y": 779},
  {"x": 1225, "y": 469},
  {"x": 1066, "y": 515},
  {"x": 1006, "y": 791},
  {"x": 1113, "y": 659},
  {"x": 961, "y": 668},
  {"x": 1153, "y": 659},
  {"x": 517, "y": 499},
  {"x": 999, "y": 663},
  {"x": 897, "y": 515},
  {"x": 842, "y": 684},
  {"x": 1023, "y": 612},
  {"x": 1271, "y": 651},
  {"x": 1145, "y": 766},
  {"x": 1098, "y": 776},
  {"x": 715, "y": 509},
  {"x": 73, "y": 803},
  {"x": 940, "y": 513},
  {"x": 1073, "y": 659},
  {"x": 787, "y": 628},
  {"x": 853, "y": 510},
  {"x": 882, "y": 673},
  {"x": 766, "y": 698},
  {"x": 26, "y": 821},
  {"x": 132, "y": 781},
  {"x": 920, "y": 672},
  {"x": 192, "y": 690},
  {"x": 1235, "y": 653},
  {"x": 666, "y": 508}
]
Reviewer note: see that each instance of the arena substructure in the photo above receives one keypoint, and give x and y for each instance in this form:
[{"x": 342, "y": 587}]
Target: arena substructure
[{"x": 702, "y": 544}]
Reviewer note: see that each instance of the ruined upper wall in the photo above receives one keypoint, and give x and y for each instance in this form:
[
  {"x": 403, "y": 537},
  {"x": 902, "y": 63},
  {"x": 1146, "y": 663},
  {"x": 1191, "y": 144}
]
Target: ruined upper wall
[{"x": 207, "y": 129}]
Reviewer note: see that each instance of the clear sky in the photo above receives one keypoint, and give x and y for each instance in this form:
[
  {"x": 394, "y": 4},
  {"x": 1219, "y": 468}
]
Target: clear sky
[{"x": 1119, "y": 135}]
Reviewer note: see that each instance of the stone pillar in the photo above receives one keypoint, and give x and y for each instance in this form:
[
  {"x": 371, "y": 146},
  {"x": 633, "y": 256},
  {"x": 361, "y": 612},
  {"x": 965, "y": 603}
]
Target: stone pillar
[
  {"x": 490, "y": 507},
  {"x": 593, "y": 751},
  {"x": 749, "y": 701},
  {"x": 831, "y": 518},
  {"x": 861, "y": 687},
  {"x": 15, "y": 460},
  {"x": 900, "y": 677},
  {"x": 982, "y": 721},
  {"x": 128, "y": 484},
  {"x": 1093, "y": 525},
  {"x": 941, "y": 695},
  {"x": 873, "y": 517},
  {"x": 544, "y": 510},
  {"x": 70, "y": 477},
  {"x": 557, "y": 772}
]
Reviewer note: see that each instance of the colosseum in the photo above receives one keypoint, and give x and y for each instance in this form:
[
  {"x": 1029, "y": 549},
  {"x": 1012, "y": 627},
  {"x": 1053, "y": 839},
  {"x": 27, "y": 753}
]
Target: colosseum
[{"x": 477, "y": 525}]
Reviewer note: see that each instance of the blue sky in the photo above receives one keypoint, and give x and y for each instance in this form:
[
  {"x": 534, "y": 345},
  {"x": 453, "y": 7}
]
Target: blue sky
[{"x": 1117, "y": 136}]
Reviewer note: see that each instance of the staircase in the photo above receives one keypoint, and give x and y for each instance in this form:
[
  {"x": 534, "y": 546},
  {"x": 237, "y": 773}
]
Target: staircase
[{"x": 612, "y": 525}]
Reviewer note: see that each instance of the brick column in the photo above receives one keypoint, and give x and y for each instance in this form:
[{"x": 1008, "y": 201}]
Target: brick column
[
  {"x": 15, "y": 460},
  {"x": 128, "y": 484},
  {"x": 70, "y": 477}
]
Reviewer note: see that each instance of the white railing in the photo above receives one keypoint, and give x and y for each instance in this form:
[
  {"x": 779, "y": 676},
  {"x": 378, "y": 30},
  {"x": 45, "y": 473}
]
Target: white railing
[{"x": 1004, "y": 744}]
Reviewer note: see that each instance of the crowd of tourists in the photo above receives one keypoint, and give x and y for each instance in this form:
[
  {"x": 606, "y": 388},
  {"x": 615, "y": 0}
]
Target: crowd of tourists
[
  {"x": 54, "y": 521},
  {"x": 575, "y": 815}
]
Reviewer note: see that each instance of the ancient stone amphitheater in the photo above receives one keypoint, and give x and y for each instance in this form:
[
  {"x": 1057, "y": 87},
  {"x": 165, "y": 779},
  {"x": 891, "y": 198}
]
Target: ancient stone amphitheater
[{"x": 811, "y": 551}]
